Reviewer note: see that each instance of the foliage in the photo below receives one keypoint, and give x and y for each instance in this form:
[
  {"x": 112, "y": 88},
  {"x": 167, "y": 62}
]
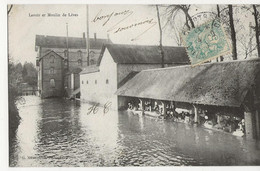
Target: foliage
[
  {"x": 29, "y": 74},
  {"x": 14, "y": 78},
  {"x": 17, "y": 74}
]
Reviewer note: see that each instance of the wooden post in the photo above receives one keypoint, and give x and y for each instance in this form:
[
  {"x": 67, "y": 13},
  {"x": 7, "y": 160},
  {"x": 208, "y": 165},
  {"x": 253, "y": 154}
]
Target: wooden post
[
  {"x": 249, "y": 126},
  {"x": 174, "y": 105},
  {"x": 218, "y": 119},
  {"x": 164, "y": 109},
  {"x": 249, "y": 116},
  {"x": 196, "y": 117},
  {"x": 150, "y": 105},
  {"x": 257, "y": 118},
  {"x": 141, "y": 104}
]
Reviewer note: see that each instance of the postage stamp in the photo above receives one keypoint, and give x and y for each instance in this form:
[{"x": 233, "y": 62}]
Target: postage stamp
[{"x": 206, "y": 42}]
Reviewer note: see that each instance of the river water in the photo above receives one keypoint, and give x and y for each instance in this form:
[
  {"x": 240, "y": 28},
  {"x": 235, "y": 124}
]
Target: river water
[{"x": 58, "y": 132}]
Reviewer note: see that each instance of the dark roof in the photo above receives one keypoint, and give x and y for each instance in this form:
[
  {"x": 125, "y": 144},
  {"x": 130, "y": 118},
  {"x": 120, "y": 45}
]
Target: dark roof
[
  {"x": 90, "y": 69},
  {"x": 73, "y": 42},
  {"x": 49, "y": 53},
  {"x": 140, "y": 54},
  {"x": 128, "y": 77},
  {"x": 220, "y": 84}
]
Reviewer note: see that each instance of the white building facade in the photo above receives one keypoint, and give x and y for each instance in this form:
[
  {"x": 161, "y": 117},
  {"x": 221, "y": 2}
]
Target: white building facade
[
  {"x": 100, "y": 83},
  {"x": 117, "y": 63}
]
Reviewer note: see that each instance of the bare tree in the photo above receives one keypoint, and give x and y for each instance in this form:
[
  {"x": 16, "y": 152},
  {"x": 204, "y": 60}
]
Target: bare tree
[
  {"x": 253, "y": 10},
  {"x": 172, "y": 13},
  {"x": 233, "y": 32},
  {"x": 185, "y": 9},
  {"x": 176, "y": 34},
  {"x": 256, "y": 16},
  {"x": 246, "y": 46},
  {"x": 160, "y": 29},
  {"x": 174, "y": 10},
  {"x": 218, "y": 14}
]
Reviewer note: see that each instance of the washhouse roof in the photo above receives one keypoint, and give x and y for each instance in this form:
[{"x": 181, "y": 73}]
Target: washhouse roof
[{"x": 219, "y": 84}]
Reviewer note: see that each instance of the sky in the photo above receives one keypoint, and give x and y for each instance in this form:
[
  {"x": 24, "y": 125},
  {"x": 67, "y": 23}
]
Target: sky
[
  {"x": 24, "y": 25},
  {"x": 27, "y": 21}
]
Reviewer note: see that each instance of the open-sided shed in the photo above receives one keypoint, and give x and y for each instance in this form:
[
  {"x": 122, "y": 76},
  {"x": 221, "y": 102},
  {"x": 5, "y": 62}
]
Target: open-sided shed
[{"x": 224, "y": 84}]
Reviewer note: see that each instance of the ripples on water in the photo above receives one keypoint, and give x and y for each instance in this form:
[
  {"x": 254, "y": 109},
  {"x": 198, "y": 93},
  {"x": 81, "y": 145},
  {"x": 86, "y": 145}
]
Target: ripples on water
[{"x": 57, "y": 132}]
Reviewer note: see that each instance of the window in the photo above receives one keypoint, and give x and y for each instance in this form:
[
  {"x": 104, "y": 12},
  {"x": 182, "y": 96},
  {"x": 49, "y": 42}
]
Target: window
[
  {"x": 52, "y": 59},
  {"x": 79, "y": 62},
  {"x": 51, "y": 70},
  {"x": 66, "y": 53},
  {"x": 107, "y": 81},
  {"x": 65, "y": 62},
  {"x": 95, "y": 81},
  {"x": 92, "y": 62},
  {"x": 82, "y": 82},
  {"x": 52, "y": 83},
  {"x": 79, "y": 53},
  {"x": 87, "y": 81}
]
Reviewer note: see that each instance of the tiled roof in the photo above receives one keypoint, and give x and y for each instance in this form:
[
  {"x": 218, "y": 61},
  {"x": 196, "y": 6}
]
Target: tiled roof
[
  {"x": 73, "y": 42},
  {"x": 50, "y": 53},
  {"x": 140, "y": 54}
]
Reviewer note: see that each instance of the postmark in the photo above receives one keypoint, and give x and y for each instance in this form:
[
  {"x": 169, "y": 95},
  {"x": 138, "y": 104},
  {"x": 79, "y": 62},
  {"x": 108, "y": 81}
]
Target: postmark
[{"x": 206, "y": 42}]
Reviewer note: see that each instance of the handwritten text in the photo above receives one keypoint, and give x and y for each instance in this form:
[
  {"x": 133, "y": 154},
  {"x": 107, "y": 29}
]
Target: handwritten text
[{"x": 95, "y": 108}]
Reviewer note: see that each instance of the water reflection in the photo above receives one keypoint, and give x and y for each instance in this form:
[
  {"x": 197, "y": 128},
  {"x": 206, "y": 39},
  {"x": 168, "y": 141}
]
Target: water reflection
[{"x": 57, "y": 132}]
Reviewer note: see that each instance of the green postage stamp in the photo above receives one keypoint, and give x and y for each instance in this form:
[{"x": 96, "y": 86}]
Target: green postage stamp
[{"x": 206, "y": 42}]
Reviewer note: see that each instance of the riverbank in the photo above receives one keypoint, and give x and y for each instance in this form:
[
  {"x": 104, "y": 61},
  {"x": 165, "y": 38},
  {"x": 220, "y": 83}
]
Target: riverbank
[{"x": 13, "y": 115}]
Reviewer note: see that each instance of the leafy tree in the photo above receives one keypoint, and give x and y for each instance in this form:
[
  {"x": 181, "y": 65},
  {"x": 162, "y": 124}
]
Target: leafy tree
[{"x": 29, "y": 74}]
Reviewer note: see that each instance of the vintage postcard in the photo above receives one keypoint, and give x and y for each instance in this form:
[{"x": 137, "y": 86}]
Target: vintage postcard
[{"x": 94, "y": 85}]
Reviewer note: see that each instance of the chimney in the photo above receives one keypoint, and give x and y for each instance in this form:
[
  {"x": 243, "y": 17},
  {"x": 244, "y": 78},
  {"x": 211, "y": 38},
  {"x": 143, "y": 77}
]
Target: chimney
[
  {"x": 95, "y": 36},
  {"x": 84, "y": 35}
]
